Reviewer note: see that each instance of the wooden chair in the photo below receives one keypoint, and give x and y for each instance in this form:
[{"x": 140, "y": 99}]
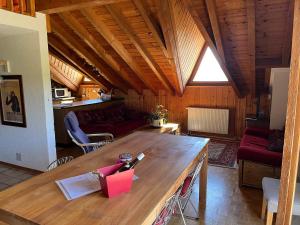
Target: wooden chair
[
  {"x": 59, "y": 162},
  {"x": 270, "y": 199}
]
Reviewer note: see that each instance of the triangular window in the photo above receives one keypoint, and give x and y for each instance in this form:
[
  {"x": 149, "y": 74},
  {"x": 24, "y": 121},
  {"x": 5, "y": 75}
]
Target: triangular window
[{"x": 209, "y": 69}]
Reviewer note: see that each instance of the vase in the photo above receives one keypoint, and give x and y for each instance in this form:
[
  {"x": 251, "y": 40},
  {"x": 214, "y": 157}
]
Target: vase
[{"x": 158, "y": 123}]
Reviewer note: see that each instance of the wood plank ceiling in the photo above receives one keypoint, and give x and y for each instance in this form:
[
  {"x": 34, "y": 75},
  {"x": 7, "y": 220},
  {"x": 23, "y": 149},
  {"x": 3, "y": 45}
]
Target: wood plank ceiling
[
  {"x": 153, "y": 44},
  {"x": 255, "y": 35}
]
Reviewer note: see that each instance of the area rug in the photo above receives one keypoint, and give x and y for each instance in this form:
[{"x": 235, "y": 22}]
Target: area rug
[{"x": 222, "y": 153}]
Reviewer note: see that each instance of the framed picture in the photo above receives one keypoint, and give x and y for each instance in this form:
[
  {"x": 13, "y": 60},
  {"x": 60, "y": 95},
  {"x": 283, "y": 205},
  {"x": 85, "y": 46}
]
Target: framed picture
[
  {"x": 12, "y": 101},
  {"x": 4, "y": 67}
]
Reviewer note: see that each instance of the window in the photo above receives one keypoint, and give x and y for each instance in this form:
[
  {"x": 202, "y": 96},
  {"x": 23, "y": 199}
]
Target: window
[
  {"x": 209, "y": 69},
  {"x": 86, "y": 79}
]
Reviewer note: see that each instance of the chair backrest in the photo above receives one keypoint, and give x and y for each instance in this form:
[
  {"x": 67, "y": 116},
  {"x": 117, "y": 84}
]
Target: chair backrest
[
  {"x": 72, "y": 125},
  {"x": 59, "y": 162},
  {"x": 190, "y": 180}
]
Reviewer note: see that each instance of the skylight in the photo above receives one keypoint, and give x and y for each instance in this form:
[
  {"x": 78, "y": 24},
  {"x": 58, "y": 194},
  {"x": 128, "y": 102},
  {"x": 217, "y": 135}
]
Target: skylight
[{"x": 209, "y": 69}]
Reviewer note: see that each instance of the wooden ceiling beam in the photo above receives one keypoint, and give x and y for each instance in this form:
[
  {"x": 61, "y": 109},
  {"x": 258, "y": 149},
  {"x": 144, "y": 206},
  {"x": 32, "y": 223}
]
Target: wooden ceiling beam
[
  {"x": 69, "y": 39},
  {"x": 165, "y": 17},
  {"x": 57, "y": 6},
  {"x": 152, "y": 25},
  {"x": 105, "y": 32},
  {"x": 89, "y": 39},
  {"x": 212, "y": 46},
  {"x": 287, "y": 41},
  {"x": 211, "y": 8},
  {"x": 251, "y": 43},
  {"x": 121, "y": 21},
  {"x": 78, "y": 61}
]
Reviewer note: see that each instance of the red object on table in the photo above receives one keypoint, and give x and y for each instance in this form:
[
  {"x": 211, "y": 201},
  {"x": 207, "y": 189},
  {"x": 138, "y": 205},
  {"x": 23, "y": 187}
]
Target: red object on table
[{"x": 113, "y": 184}]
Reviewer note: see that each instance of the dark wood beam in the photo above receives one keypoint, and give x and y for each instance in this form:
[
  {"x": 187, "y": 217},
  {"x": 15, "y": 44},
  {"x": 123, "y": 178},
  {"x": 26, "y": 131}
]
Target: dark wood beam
[
  {"x": 105, "y": 32},
  {"x": 152, "y": 25},
  {"x": 121, "y": 21},
  {"x": 166, "y": 18},
  {"x": 56, "y": 43},
  {"x": 287, "y": 41},
  {"x": 56, "y": 6},
  {"x": 85, "y": 52},
  {"x": 93, "y": 43},
  {"x": 212, "y": 46},
  {"x": 211, "y": 8},
  {"x": 251, "y": 43}
]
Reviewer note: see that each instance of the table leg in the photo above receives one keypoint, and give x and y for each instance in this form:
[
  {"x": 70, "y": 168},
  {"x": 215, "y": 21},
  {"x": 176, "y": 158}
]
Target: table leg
[{"x": 203, "y": 182}]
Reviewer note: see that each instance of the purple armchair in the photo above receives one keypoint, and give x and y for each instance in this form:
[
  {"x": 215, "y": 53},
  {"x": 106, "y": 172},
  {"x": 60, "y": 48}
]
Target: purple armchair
[{"x": 82, "y": 139}]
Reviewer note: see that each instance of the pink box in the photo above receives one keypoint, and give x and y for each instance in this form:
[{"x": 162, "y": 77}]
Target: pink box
[{"x": 115, "y": 184}]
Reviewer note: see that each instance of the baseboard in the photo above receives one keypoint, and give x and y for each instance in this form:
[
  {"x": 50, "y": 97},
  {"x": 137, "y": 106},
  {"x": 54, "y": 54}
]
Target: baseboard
[
  {"x": 21, "y": 167},
  {"x": 214, "y": 136}
]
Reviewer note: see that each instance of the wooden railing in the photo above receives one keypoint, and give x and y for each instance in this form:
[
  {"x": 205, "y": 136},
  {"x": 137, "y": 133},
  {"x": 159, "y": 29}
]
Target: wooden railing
[{"x": 26, "y": 7}]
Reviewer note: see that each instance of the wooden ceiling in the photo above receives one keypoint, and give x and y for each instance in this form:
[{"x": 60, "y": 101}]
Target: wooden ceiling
[{"x": 153, "y": 44}]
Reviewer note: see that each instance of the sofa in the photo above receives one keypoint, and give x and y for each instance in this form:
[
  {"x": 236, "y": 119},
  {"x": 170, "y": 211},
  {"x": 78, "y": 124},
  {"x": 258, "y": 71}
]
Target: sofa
[
  {"x": 115, "y": 119},
  {"x": 262, "y": 147}
]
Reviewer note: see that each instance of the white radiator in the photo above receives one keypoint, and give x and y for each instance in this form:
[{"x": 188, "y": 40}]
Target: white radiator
[{"x": 208, "y": 120}]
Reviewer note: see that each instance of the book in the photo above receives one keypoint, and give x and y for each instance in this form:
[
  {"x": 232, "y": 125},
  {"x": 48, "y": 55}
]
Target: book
[{"x": 78, "y": 186}]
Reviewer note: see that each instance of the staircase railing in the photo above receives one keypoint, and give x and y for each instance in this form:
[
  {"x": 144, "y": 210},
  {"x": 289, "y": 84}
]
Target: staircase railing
[{"x": 26, "y": 7}]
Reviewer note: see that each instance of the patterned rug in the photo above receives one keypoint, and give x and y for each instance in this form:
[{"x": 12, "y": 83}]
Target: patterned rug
[{"x": 221, "y": 153}]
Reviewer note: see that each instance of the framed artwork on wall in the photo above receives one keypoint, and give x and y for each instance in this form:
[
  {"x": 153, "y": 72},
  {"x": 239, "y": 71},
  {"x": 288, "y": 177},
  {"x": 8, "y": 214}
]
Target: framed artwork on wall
[{"x": 12, "y": 101}]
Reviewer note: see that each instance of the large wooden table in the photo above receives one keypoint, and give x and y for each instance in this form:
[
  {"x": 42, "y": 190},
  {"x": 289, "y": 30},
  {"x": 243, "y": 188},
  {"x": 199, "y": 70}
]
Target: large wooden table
[{"x": 168, "y": 160}]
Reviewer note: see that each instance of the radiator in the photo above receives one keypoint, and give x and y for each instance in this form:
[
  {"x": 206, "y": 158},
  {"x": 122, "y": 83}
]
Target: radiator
[{"x": 208, "y": 120}]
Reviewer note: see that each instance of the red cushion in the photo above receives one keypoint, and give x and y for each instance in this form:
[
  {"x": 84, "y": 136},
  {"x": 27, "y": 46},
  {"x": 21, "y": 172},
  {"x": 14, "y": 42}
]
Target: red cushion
[
  {"x": 84, "y": 117},
  {"x": 98, "y": 128},
  {"x": 254, "y": 147},
  {"x": 258, "y": 132},
  {"x": 125, "y": 127},
  {"x": 114, "y": 119},
  {"x": 186, "y": 185},
  {"x": 248, "y": 140},
  {"x": 259, "y": 154},
  {"x": 161, "y": 219}
]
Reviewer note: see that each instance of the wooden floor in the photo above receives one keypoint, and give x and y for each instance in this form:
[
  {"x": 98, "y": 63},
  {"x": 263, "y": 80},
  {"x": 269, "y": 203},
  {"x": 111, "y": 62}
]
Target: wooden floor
[
  {"x": 227, "y": 204},
  {"x": 11, "y": 175}
]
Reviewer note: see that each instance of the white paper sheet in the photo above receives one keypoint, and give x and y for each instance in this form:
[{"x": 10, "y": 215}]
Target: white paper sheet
[{"x": 78, "y": 186}]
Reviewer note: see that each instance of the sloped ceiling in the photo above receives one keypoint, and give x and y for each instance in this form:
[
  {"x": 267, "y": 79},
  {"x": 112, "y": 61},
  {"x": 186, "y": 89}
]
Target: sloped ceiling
[
  {"x": 64, "y": 73},
  {"x": 254, "y": 35},
  {"x": 153, "y": 44}
]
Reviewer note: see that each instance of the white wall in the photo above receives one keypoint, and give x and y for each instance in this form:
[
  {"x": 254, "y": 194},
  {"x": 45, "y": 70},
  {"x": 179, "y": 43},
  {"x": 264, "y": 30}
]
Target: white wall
[
  {"x": 25, "y": 46},
  {"x": 279, "y": 83}
]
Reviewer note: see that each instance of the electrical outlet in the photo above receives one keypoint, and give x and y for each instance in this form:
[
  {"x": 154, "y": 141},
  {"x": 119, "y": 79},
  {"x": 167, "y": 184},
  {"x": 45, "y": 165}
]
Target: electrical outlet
[{"x": 18, "y": 156}]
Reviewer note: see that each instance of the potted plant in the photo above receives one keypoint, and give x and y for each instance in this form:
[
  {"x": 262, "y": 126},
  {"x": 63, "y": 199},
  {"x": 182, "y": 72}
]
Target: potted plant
[{"x": 159, "y": 116}]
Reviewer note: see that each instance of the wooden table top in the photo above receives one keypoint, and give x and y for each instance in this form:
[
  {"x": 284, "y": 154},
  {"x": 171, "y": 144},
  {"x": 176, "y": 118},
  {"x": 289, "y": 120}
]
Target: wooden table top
[{"x": 168, "y": 160}]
